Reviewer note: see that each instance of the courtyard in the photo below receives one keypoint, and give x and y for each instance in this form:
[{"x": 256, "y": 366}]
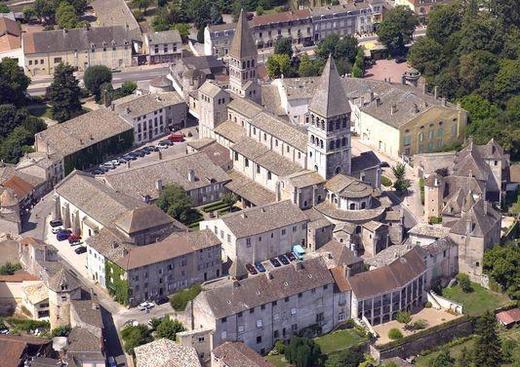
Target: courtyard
[{"x": 431, "y": 316}]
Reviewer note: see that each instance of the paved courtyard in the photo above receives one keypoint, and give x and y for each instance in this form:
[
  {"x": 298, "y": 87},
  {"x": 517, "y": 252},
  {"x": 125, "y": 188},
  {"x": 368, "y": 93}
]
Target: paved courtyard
[
  {"x": 432, "y": 316},
  {"x": 384, "y": 69}
]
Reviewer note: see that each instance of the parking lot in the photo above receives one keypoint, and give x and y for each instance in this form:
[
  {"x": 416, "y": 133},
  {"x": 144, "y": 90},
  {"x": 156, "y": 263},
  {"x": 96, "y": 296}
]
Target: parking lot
[{"x": 273, "y": 263}]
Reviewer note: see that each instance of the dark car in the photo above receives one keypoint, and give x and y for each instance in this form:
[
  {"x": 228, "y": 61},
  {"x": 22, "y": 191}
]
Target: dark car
[
  {"x": 400, "y": 59},
  {"x": 145, "y": 151},
  {"x": 74, "y": 238},
  {"x": 80, "y": 250},
  {"x": 139, "y": 153},
  {"x": 130, "y": 157},
  {"x": 98, "y": 171},
  {"x": 384, "y": 164},
  {"x": 161, "y": 300},
  {"x": 251, "y": 269},
  {"x": 275, "y": 262},
  {"x": 260, "y": 267},
  {"x": 283, "y": 259},
  {"x": 63, "y": 235},
  {"x": 151, "y": 149},
  {"x": 56, "y": 223},
  {"x": 290, "y": 256}
]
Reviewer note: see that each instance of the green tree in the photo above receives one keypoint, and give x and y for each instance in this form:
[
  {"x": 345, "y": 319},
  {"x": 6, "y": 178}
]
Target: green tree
[
  {"x": 507, "y": 81},
  {"x": 94, "y": 77},
  {"x": 397, "y": 28},
  {"x": 184, "y": 30},
  {"x": 215, "y": 16},
  {"x": 483, "y": 33},
  {"x": 28, "y": 13},
  {"x": 476, "y": 67},
  {"x": 464, "y": 358},
  {"x": 443, "y": 21},
  {"x": 13, "y": 83},
  {"x": 175, "y": 201},
  {"x": 17, "y": 143},
  {"x": 259, "y": 10},
  {"x": 283, "y": 46},
  {"x": 128, "y": 87},
  {"x": 10, "y": 268},
  {"x": 66, "y": 16},
  {"x": 502, "y": 264},
  {"x": 161, "y": 21},
  {"x": 443, "y": 359},
  {"x": 4, "y": 8},
  {"x": 61, "y": 331},
  {"x": 401, "y": 183},
  {"x": 395, "y": 334},
  {"x": 45, "y": 10},
  {"x": 404, "y": 317},
  {"x": 487, "y": 350},
  {"x": 64, "y": 94},
  {"x": 303, "y": 352},
  {"x": 351, "y": 357},
  {"x": 277, "y": 65},
  {"x": 309, "y": 67},
  {"x": 426, "y": 55},
  {"x": 464, "y": 282},
  {"x": 134, "y": 336},
  {"x": 340, "y": 48},
  {"x": 169, "y": 328},
  {"x": 142, "y": 5},
  {"x": 229, "y": 199},
  {"x": 11, "y": 117},
  {"x": 199, "y": 11}
]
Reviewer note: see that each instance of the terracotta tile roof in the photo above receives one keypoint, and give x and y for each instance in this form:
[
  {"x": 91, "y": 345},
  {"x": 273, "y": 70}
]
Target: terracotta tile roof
[
  {"x": 509, "y": 317},
  {"x": 20, "y": 187},
  {"x": 9, "y": 42},
  {"x": 237, "y": 354},
  {"x": 12, "y": 348},
  {"x": 166, "y": 353},
  {"x": 9, "y": 26}
]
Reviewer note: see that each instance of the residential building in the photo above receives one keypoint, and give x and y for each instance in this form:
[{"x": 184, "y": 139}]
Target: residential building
[
  {"x": 259, "y": 233},
  {"x": 152, "y": 114},
  {"x": 163, "y": 47},
  {"x": 11, "y": 40},
  {"x": 267, "y": 307},
  {"x": 16, "y": 350},
  {"x": 237, "y": 354},
  {"x": 158, "y": 269},
  {"x": 165, "y": 353},
  {"x": 85, "y": 140},
  {"x": 80, "y": 48},
  {"x": 202, "y": 180}
]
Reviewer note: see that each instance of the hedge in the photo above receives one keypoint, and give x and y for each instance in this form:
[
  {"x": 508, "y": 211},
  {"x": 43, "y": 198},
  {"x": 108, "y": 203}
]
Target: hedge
[{"x": 180, "y": 299}]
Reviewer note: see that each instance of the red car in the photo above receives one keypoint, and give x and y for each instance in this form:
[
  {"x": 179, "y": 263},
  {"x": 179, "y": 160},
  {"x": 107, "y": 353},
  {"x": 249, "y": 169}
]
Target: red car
[
  {"x": 74, "y": 238},
  {"x": 176, "y": 137}
]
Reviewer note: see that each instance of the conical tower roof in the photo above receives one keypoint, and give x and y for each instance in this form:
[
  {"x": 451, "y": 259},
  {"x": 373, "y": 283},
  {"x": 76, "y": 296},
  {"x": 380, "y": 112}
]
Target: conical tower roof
[
  {"x": 330, "y": 99},
  {"x": 243, "y": 45}
]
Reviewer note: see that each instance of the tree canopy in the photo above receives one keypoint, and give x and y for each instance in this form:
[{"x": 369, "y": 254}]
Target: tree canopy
[
  {"x": 487, "y": 351},
  {"x": 169, "y": 328},
  {"x": 64, "y": 94},
  {"x": 174, "y": 201},
  {"x": 303, "y": 352},
  {"x": 13, "y": 83},
  {"x": 134, "y": 336},
  {"x": 397, "y": 28},
  {"x": 94, "y": 77}
]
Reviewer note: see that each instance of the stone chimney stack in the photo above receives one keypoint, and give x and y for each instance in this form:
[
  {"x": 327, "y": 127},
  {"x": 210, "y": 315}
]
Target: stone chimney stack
[
  {"x": 435, "y": 92},
  {"x": 158, "y": 184},
  {"x": 191, "y": 175}
]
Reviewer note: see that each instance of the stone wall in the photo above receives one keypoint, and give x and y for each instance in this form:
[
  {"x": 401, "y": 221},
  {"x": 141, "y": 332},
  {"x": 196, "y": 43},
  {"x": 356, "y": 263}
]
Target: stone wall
[{"x": 424, "y": 340}]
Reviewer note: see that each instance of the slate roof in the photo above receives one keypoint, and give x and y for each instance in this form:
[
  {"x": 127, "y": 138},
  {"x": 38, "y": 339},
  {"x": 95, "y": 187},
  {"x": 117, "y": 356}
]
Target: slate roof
[
  {"x": 329, "y": 99},
  {"x": 98, "y": 201},
  {"x": 75, "y": 39},
  {"x": 62, "y": 280},
  {"x": 84, "y": 343},
  {"x": 166, "y": 353},
  {"x": 230, "y": 130},
  {"x": 171, "y": 36},
  {"x": 264, "y": 218},
  {"x": 249, "y": 189},
  {"x": 284, "y": 281},
  {"x": 83, "y": 131},
  {"x": 348, "y": 187},
  {"x": 175, "y": 245},
  {"x": 138, "y": 105},
  {"x": 139, "y": 182},
  {"x": 110, "y": 243},
  {"x": 245, "y": 107},
  {"x": 237, "y": 354},
  {"x": 242, "y": 46},
  {"x": 88, "y": 312},
  {"x": 364, "y": 161},
  {"x": 387, "y": 278},
  {"x": 281, "y": 129},
  {"x": 429, "y": 230},
  {"x": 481, "y": 219}
]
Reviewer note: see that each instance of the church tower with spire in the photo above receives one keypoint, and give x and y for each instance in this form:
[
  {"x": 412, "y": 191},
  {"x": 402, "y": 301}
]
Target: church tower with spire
[
  {"x": 243, "y": 61},
  {"x": 328, "y": 146}
]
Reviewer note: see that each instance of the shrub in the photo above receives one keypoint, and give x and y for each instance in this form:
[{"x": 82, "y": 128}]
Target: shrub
[
  {"x": 27, "y": 325},
  {"x": 435, "y": 220},
  {"x": 385, "y": 181},
  {"x": 404, "y": 317},
  {"x": 465, "y": 283},
  {"x": 180, "y": 300},
  {"x": 61, "y": 331},
  {"x": 279, "y": 347},
  {"x": 395, "y": 334},
  {"x": 9, "y": 268},
  {"x": 419, "y": 325},
  {"x": 349, "y": 324},
  {"x": 428, "y": 305},
  {"x": 421, "y": 189}
]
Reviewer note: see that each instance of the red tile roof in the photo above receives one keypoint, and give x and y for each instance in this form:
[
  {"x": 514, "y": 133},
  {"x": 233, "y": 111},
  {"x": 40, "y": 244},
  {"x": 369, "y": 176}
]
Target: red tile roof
[
  {"x": 20, "y": 187},
  {"x": 509, "y": 317}
]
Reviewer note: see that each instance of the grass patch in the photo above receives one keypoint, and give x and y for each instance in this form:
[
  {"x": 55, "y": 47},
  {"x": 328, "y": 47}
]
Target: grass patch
[
  {"x": 426, "y": 360},
  {"x": 277, "y": 360},
  {"x": 180, "y": 299},
  {"x": 385, "y": 181},
  {"x": 477, "y": 302},
  {"x": 40, "y": 110},
  {"x": 339, "y": 340}
]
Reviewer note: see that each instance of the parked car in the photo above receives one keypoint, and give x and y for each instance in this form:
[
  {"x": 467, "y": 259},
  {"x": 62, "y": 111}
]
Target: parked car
[
  {"x": 384, "y": 164},
  {"x": 56, "y": 223},
  {"x": 111, "y": 362},
  {"x": 162, "y": 300},
  {"x": 259, "y": 267},
  {"x": 176, "y": 137},
  {"x": 130, "y": 157},
  {"x": 145, "y": 306},
  {"x": 166, "y": 143},
  {"x": 130, "y": 322},
  {"x": 251, "y": 269},
  {"x": 56, "y": 230},
  {"x": 122, "y": 160},
  {"x": 115, "y": 162},
  {"x": 400, "y": 59},
  {"x": 283, "y": 259},
  {"x": 151, "y": 148},
  {"x": 80, "y": 250},
  {"x": 74, "y": 238},
  {"x": 290, "y": 256},
  {"x": 145, "y": 151},
  {"x": 98, "y": 171},
  {"x": 4, "y": 331},
  {"x": 139, "y": 153},
  {"x": 107, "y": 165},
  {"x": 274, "y": 261},
  {"x": 63, "y": 235}
]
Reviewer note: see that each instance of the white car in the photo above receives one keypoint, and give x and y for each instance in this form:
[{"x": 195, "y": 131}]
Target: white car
[
  {"x": 55, "y": 230},
  {"x": 145, "y": 306},
  {"x": 115, "y": 162}
]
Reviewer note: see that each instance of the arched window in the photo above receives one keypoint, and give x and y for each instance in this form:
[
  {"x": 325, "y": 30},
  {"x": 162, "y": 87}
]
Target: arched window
[
  {"x": 312, "y": 139},
  {"x": 352, "y": 206},
  {"x": 363, "y": 205},
  {"x": 316, "y": 167}
]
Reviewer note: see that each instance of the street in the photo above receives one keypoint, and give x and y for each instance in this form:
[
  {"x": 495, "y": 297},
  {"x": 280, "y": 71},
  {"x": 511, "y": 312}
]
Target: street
[{"x": 39, "y": 85}]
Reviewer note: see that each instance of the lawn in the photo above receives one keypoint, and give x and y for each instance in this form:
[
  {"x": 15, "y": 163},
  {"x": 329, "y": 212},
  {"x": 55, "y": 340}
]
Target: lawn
[
  {"x": 277, "y": 360},
  {"x": 339, "y": 340},
  {"x": 427, "y": 359},
  {"x": 477, "y": 302}
]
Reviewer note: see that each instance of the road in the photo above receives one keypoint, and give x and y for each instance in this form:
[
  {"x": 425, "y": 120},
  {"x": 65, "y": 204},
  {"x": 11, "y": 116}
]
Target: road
[{"x": 39, "y": 85}]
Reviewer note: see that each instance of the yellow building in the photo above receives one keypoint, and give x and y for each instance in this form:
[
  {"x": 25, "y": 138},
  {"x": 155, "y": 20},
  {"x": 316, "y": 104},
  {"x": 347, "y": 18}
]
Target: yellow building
[{"x": 81, "y": 48}]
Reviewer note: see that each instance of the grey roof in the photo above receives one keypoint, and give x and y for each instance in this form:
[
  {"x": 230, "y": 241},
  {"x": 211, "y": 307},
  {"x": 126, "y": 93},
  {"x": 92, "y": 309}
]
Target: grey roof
[
  {"x": 166, "y": 353},
  {"x": 141, "y": 181},
  {"x": 230, "y": 130},
  {"x": 245, "y": 107},
  {"x": 62, "y": 281},
  {"x": 390, "y": 277},
  {"x": 334, "y": 10},
  {"x": 98, "y": 201},
  {"x": 171, "y": 36},
  {"x": 207, "y": 64},
  {"x": 242, "y": 45},
  {"x": 281, "y": 129},
  {"x": 265, "y": 218},
  {"x": 210, "y": 88},
  {"x": 478, "y": 221},
  {"x": 279, "y": 283},
  {"x": 429, "y": 230},
  {"x": 113, "y": 13},
  {"x": 340, "y": 253},
  {"x": 88, "y": 312},
  {"x": 138, "y": 105},
  {"x": 237, "y": 354},
  {"x": 110, "y": 243},
  {"x": 83, "y": 131},
  {"x": 365, "y": 160},
  {"x": 76, "y": 39},
  {"x": 143, "y": 218},
  {"x": 348, "y": 187},
  {"x": 329, "y": 99},
  {"x": 83, "y": 341},
  {"x": 249, "y": 189}
]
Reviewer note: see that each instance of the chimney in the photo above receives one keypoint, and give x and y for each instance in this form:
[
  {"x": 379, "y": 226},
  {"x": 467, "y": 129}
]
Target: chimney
[
  {"x": 81, "y": 141},
  {"x": 424, "y": 88},
  {"x": 191, "y": 175},
  {"x": 128, "y": 164},
  {"x": 403, "y": 80},
  {"x": 393, "y": 109},
  {"x": 128, "y": 110},
  {"x": 435, "y": 92},
  {"x": 348, "y": 271},
  {"x": 243, "y": 215},
  {"x": 158, "y": 184}
]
